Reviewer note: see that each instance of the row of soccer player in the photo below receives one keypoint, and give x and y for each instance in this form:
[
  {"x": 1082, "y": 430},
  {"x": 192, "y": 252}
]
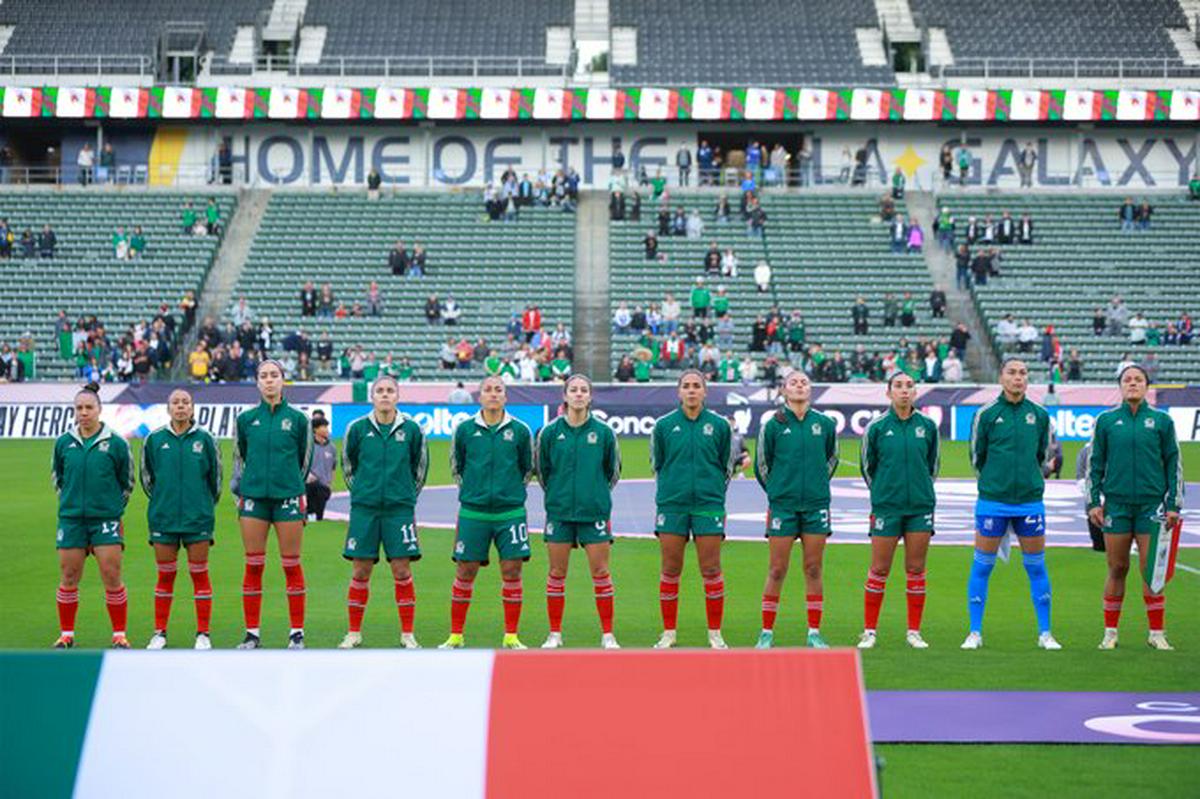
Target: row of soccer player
[{"x": 1134, "y": 491}]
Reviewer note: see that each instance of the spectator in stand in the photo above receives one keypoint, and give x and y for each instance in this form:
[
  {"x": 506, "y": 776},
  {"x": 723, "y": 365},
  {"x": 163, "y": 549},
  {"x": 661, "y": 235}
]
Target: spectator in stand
[
  {"x": 720, "y": 302},
  {"x": 447, "y": 355},
  {"x": 891, "y": 310},
  {"x": 987, "y": 232},
  {"x": 672, "y": 351},
  {"x": 959, "y": 338},
  {"x": 418, "y": 265},
  {"x": 747, "y": 370},
  {"x": 450, "y": 311},
  {"x": 908, "y": 310},
  {"x": 937, "y": 303},
  {"x": 1027, "y": 336},
  {"x": 531, "y": 322},
  {"x": 398, "y": 260},
  {"x": 683, "y": 160},
  {"x": 86, "y": 162},
  {"x": 1006, "y": 229},
  {"x": 464, "y": 354},
  {"x": 981, "y": 266},
  {"x": 729, "y": 263},
  {"x": 756, "y": 218},
  {"x": 946, "y": 162},
  {"x": 1150, "y": 366},
  {"x": 198, "y": 361},
  {"x": 931, "y": 367},
  {"x": 721, "y": 213},
  {"x": 898, "y": 184},
  {"x": 637, "y": 320},
  {"x": 187, "y": 219},
  {"x": 374, "y": 300},
  {"x": 1143, "y": 214},
  {"x": 1051, "y": 346},
  {"x": 1127, "y": 213},
  {"x": 374, "y": 181},
  {"x": 120, "y": 244},
  {"x": 695, "y": 225},
  {"x": 1025, "y": 230},
  {"x": 679, "y": 222},
  {"x": 308, "y": 300},
  {"x": 241, "y": 311},
  {"x": 27, "y": 244},
  {"x": 887, "y": 208},
  {"x": 664, "y": 221},
  {"x": 712, "y": 259},
  {"x": 952, "y": 368},
  {"x": 7, "y": 238},
  {"x": 943, "y": 229},
  {"x": 1194, "y": 187},
  {"x": 898, "y": 234},
  {"x": 650, "y": 243},
  {"x": 622, "y": 322},
  {"x": 1074, "y": 366},
  {"x": 1137, "y": 329},
  {"x": 1116, "y": 317},
  {"x": 47, "y": 242},
  {"x": 704, "y": 163},
  {"x": 860, "y": 315},
  {"x": 916, "y": 238},
  {"x": 701, "y": 300},
  {"x": 326, "y": 304},
  {"x": 964, "y": 164},
  {"x": 762, "y": 277},
  {"x": 1025, "y": 164},
  {"x": 433, "y": 310},
  {"x": 670, "y": 313},
  {"x": 1006, "y": 332},
  {"x": 616, "y": 206},
  {"x": 212, "y": 217},
  {"x": 1185, "y": 328}
]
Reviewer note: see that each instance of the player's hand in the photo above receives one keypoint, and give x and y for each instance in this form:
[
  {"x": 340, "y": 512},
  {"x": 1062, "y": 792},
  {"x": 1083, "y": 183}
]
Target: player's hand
[
  {"x": 1096, "y": 515},
  {"x": 1172, "y": 518}
]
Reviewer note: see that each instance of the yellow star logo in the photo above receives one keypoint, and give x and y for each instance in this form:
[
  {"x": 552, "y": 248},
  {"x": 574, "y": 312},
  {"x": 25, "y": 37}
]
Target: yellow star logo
[{"x": 909, "y": 161}]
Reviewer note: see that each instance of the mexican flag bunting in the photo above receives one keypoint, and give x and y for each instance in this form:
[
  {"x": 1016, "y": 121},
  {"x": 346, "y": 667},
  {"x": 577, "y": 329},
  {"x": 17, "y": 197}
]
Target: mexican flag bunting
[
  {"x": 75, "y": 102},
  {"x": 180, "y": 102},
  {"x": 340, "y": 103},
  {"x": 1135, "y": 105},
  {"x": 605, "y": 104},
  {"x": 499, "y": 103},
  {"x": 658, "y": 104},
  {"x": 393, "y": 103},
  {"x": 922, "y": 105},
  {"x": 233, "y": 103},
  {"x": 128, "y": 103},
  {"x": 1082, "y": 105},
  {"x": 551, "y": 104},
  {"x": 1185, "y": 105},
  {"x": 870, "y": 104},
  {"x": 976, "y": 105},
  {"x": 1028, "y": 105},
  {"x": 287, "y": 103},
  {"x": 817, "y": 105},
  {"x": 20, "y": 101},
  {"x": 446, "y": 104},
  {"x": 763, "y": 104},
  {"x": 208, "y": 102},
  {"x": 708, "y": 104},
  {"x": 1158, "y": 562}
]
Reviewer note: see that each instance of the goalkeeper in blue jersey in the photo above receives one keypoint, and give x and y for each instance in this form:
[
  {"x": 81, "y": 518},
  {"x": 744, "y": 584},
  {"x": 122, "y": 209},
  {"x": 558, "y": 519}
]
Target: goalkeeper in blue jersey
[{"x": 1010, "y": 441}]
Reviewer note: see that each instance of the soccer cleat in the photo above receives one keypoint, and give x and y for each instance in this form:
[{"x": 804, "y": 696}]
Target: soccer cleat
[
  {"x": 1046, "y": 641},
  {"x": 766, "y": 639},
  {"x": 351, "y": 641},
  {"x": 251, "y": 641},
  {"x": 867, "y": 640},
  {"x": 203, "y": 641},
  {"x": 974, "y": 641},
  {"x": 1158, "y": 640},
  {"x": 119, "y": 641},
  {"x": 715, "y": 641},
  {"x": 296, "y": 640},
  {"x": 408, "y": 641},
  {"x": 666, "y": 640},
  {"x": 553, "y": 641},
  {"x": 609, "y": 641},
  {"x": 65, "y": 642},
  {"x": 455, "y": 641},
  {"x": 511, "y": 641},
  {"x": 815, "y": 641},
  {"x": 914, "y": 639},
  {"x": 158, "y": 640},
  {"x": 1109, "y": 641}
]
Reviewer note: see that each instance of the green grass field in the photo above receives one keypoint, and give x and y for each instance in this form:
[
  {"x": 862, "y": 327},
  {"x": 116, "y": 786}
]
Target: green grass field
[{"x": 29, "y": 574}]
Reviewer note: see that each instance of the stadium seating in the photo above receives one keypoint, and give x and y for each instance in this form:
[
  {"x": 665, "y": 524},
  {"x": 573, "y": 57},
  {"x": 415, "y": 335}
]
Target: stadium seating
[
  {"x": 824, "y": 252},
  {"x": 491, "y": 269},
  {"x": 84, "y": 278},
  {"x": 1059, "y": 29},
  {"x": 1080, "y": 259},
  {"x": 711, "y": 42}
]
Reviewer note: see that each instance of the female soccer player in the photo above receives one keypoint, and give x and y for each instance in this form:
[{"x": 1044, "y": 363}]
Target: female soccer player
[
  {"x": 273, "y": 453},
  {"x": 692, "y": 456},
  {"x": 384, "y": 460},
  {"x": 578, "y": 464},
  {"x": 181, "y": 475},
  {"x": 1010, "y": 441},
  {"x": 796, "y": 457},
  {"x": 93, "y": 476},
  {"x": 1135, "y": 490},
  {"x": 899, "y": 460},
  {"x": 491, "y": 459}
]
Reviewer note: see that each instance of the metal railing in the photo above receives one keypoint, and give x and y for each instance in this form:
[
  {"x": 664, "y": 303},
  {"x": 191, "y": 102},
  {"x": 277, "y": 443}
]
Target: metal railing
[
  {"x": 1075, "y": 68},
  {"x": 98, "y": 65},
  {"x": 396, "y": 66},
  {"x": 123, "y": 175}
]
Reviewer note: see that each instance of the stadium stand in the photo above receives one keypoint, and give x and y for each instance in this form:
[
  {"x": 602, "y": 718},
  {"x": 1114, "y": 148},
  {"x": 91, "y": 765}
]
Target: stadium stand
[
  {"x": 824, "y": 252},
  {"x": 85, "y": 278},
  {"x": 492, "y": 270},
  {"x": 713, "y": 42},
  {"x": 1079, "y": 261}
]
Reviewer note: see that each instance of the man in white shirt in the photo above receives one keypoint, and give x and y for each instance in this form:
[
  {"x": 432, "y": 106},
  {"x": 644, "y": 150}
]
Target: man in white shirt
[{"x": 1006, "y": 332}]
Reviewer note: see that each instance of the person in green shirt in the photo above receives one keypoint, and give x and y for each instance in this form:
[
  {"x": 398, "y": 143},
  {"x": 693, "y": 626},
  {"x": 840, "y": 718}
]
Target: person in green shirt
[
  {"x": 404, "y": 371},
  {"x": 492, "y": 363},
  {"x": 658, "y": 184},
  {"x": 187, "y": 218},
  {"x": 212, "y": 217},
  {"x": 1194, "y": 187},
  {"x": 371, "y": 368},
  {"x": 560, "y": 367},
  {"x": 701, "y": 299},
  {"x": 641, "y": 370},
  {"x": 120, "y": 244},
  {"x": 137, "y": 243},
  {"x": 898, "y": 183},
  {"x": 795, "y": 458},
  {"x": 181, "y": 476},
  {"x": 692, "y": 457},
  {"x": 727, "y": 371},
  {"x": 93, "y": 477},
  {"x": 899, "y": 460},
  {"x": 720, "y": 302},
  {"x": 1134, "y": 491},
  {"x": 578, "y": 464}
]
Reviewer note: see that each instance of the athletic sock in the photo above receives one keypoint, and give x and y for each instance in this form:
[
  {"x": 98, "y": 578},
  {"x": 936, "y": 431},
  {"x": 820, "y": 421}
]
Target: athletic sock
[
  {"x": 118, "y": 609},
  {"x": 293, "y": 575},
  {"x": 1156, "y": 608},
  {"x": 873, "y": 598},
  {"x": 460, "y": 603},
  {"x": 816, "y": 605},
  {"x": 1039, "y": 588},
  {"x": 252, "y": 588},
  {"x": 714, "y": 600},
  {"x": 602, "y": 589},
  {"x": 668, "y": 599},
  {"x": 512, "y": 595},
  {"x": 770, "y": 608},
  {"x": 203, "y": 593},
  {"x": 915, "y": 595},
  {"x": 356, "y": 602},
  {"x": 1112, "y": 611},
  {"x": 556, "y": 589},
  {"x": 164, "y": 593},
  {"x": 977, "y": 587},
  {"x": 406, "y": 602},
  {"x": 68, "y": 606}
]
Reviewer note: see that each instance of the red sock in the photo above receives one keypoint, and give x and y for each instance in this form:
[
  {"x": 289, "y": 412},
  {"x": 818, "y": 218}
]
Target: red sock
[
  {"x": 668, "y": 599},
  {"x": 68, "y": 605},
  {"x": 1112, "y": 610},
  {"x": 511, "y": 594},
  {"x": 252, "y": 588},
  {"x": 294, "y": 578},
  {"x": 873, "y": 598},
  {"x": 118, "y": 608},
  {"x": 770, "y": 607},
  {"x": 460, "y": 603},
  {"x": 356, "y": 602},
  {"x": 714, "y": 600},
  {"x": 406, "y": 603},
  {"x": 163, "y": 593},
  {"x": 816, "y": 604},
  {"x": 202, "y": 590},
  {"x": 556, "y": 598},
  {"x": 1156, "y": 608},
  {"x": 602, "y": 588},
  {"x": 915, "y": 594}
]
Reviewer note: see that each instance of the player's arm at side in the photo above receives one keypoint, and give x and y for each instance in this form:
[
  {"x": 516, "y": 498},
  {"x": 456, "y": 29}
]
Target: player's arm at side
[
  {"x": 866, "y": 455},
  {"x": 123, "y": 463},
  {"x": 458, "y": 451},
  {"x": 612, "y": 458},
  {"x": 935, "y": 449},
  {"x": 146, "y": 472},
  {"x": 979, "y": 440},
  {"x": 764, "y": 452},
  {"x": 1098, "y": 462},
  {"x": 832, "y": 457},
  {"x": 307, "y": 443},
  {"x": 56, "y": 468},
  {"x": 542, "y": 463},
  {"x": 215, "y": 467},
  {"x": 730, "y": 454},
  {"x": 1172, "y": 466},
  {"x": 349, "y": 459},
  {"x": 239, "y": 458},
  {"x": 525, "y": 452},
  {"x": 418, "y": 454},
  {"x": 656, "y": 448}
]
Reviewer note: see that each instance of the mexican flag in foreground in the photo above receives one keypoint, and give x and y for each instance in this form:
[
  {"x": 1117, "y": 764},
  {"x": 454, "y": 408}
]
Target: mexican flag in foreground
[
  {"x": 1158, "y": 562},
  {"x": 472, "y": 723}
]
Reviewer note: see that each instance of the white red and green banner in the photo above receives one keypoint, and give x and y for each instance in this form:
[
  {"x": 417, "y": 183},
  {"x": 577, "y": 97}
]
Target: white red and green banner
[{"x": 709, "y": 104}]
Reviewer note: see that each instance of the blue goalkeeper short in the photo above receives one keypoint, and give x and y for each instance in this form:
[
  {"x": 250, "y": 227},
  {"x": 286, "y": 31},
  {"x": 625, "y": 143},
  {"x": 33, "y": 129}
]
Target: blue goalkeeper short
[{"x": 995, "y": 519}]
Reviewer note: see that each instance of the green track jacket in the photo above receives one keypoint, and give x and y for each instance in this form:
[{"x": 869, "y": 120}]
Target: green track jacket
[
  {"x": 273, "y": 453},
  {"x": 181, "y": 474},
  {"x": 1135, "y": 459},
  {"x": 491, "y": 465},
  {"x": 93, "y": 478},
  {"x": 1009, "y": 443},
  {"x": 899, "y": 459},
  {"x": 692, "y": 462},
  {"x": 578, "y": 468},
  {"x": 384, "y": 467},
  {"x": 795, "y": 458}
]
